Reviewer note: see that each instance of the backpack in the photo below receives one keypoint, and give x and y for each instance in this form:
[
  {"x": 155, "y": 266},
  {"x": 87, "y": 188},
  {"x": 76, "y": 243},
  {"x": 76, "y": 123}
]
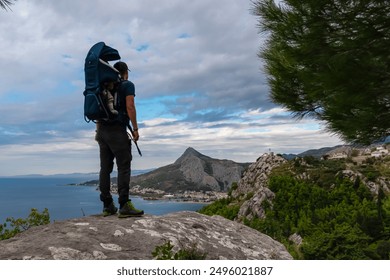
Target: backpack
[{"x": 100, "y": 103}]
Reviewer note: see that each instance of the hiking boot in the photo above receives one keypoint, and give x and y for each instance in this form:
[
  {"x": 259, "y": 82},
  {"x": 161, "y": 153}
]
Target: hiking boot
[
  {"x": 128, "y": 210},
  {"x": 110, "y": 210}
]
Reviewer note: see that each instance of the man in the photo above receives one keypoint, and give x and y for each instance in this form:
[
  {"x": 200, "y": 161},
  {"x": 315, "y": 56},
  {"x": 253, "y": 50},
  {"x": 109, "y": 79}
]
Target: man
[{"x": 114, "y": 143}]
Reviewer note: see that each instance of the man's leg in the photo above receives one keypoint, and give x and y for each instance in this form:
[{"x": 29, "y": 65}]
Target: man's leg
[
  {"x": 106, "y": 167},
  {"x": 120, "y": 148}
]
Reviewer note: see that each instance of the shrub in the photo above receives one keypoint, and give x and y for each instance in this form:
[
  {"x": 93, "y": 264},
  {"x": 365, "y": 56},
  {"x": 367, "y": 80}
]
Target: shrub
[
  {"x": 18, "y": 225},
  {"x": 165, "y": 252},
  {"x": 225, "y": 207}
]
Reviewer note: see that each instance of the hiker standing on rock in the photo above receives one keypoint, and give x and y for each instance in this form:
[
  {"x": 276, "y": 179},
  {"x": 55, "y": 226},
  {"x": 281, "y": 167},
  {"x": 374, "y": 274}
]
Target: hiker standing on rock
[{"x": 114, "y": 143}]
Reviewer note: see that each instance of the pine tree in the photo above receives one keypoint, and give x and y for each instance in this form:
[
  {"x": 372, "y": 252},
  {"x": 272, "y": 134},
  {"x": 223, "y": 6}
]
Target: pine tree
[
  {"x": 330, "y": 60},
  {"x": 4, "y": 4}
]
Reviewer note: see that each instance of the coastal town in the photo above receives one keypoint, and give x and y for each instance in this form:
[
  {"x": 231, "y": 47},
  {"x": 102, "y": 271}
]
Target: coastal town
[
  {"x": 358, "y": 153},
  {"x": 157, "y": 194},
  {"x": 185, "y": 196}
]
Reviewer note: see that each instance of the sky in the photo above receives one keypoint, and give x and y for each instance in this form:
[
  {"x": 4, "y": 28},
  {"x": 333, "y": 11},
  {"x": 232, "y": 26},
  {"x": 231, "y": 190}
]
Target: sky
[{"x": 199, "y": 83}]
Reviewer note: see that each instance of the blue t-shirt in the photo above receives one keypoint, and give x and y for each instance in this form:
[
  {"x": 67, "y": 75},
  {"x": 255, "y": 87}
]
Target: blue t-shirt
[{"x": 126, "y": 88}]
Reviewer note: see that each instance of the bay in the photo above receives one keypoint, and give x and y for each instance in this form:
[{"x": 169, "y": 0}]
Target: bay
[{"x": 19, "y": 195}]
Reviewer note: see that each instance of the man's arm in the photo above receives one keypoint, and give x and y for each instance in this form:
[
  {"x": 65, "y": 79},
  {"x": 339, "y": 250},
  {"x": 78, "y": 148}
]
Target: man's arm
[{"x": 132, "y": 113}]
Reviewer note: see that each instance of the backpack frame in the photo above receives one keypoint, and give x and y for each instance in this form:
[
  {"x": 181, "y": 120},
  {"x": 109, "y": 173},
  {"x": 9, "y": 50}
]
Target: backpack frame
[{"x": 97, "y": 72}]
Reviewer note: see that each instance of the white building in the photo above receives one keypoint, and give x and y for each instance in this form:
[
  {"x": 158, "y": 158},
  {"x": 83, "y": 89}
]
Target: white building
[{"x": 379, "y": 152}]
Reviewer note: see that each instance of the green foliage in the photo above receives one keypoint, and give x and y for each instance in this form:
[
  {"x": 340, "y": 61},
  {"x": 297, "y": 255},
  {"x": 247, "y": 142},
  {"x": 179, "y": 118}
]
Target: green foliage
[
  {"x": 18, "y": 225},
  {"x": 249, "y": 195},
  {"x": 383, "y": 250},
  {"x": 232, "y": 188},
  {"x": 370, "y": 173},
  {"x": 328, "y": 60},
  {"x": 223, "y": 207},
  {"x": 373, "y": 168},
  {"x": 165, "y": 252},
  {"x": 345, "y": 241},
  {"x": 341, "y": 222}
]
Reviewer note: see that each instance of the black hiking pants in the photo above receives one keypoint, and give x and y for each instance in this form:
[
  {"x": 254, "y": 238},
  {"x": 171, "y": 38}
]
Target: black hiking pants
[{"x": 114, "y": 143}]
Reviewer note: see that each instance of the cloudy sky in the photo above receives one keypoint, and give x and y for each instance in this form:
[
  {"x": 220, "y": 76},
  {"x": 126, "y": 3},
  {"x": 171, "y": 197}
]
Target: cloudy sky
[{"x": 199, "y": 83}]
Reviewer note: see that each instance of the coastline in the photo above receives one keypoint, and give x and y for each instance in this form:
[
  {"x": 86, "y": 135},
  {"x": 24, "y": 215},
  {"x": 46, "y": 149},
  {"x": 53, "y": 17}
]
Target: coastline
[
  {"x": 151, "y": 194},
  {"x": 65, "y": 201}
]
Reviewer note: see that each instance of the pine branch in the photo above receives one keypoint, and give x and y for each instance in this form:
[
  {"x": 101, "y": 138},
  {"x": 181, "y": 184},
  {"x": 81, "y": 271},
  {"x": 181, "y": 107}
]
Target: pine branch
[{"x": 5, "y": 4}]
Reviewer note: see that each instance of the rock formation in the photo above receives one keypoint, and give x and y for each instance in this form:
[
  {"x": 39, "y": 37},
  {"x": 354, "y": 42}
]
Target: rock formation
[
  {"x": 380, "y": 182},
  {"x": 98, "y": 237},
  {"x": 255, "y": 181}
]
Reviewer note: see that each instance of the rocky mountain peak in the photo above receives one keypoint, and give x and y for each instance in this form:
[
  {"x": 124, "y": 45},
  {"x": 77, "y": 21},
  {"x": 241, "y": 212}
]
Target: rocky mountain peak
[
  {"x": 189, "y": 152},
  {"x": 193, "y": 171}
]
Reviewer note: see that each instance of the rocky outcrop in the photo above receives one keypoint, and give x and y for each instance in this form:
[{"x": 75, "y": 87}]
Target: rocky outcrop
[
  {"x": 193, "y": 171},
  {"x": 255, "y": 184},
  {"x": 110, "y": 238},
  {"x": 380, "y": 183}
]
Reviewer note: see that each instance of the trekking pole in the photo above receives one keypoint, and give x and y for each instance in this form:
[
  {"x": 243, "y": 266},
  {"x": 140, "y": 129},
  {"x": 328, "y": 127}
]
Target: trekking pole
[{"x": 135, "y": 142}]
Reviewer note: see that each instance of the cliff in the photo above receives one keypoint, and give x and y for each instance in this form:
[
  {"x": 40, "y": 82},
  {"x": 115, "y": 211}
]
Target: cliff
[
  {"x": 110, "y": 238},
  {"x": 255, "y": 182}
]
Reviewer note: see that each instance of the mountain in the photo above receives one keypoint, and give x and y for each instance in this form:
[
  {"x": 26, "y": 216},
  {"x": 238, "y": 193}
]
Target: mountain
[
  {"x": 317, "y": 153},
  {"x": 192, "y": 171},
  {"x": 326, "y": 151}
]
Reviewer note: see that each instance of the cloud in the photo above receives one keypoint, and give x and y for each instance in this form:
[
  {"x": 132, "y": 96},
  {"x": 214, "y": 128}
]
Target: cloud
[{"x": 198, "y": 83}]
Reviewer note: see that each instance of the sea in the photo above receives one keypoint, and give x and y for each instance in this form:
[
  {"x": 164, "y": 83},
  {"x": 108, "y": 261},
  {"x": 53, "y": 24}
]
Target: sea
[{"x": 64, "y": 200}]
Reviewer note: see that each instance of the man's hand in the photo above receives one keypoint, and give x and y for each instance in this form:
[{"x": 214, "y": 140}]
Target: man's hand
[{"x": 135, "y": 135}]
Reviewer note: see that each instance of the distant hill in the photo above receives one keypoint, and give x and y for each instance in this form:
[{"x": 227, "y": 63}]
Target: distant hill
[
  {"x": 317, "y": 153},
  {"x": 193, "y": 171},
  {"x": 78, "y": 175},
  {"x": 64, "y": 175}
]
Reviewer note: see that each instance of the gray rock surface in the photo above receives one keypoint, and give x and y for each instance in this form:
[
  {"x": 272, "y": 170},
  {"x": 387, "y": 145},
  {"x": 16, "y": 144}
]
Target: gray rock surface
[
  {"x": 380, "y": 182},
  {"x": 100, "y": 238},
  {"x": 255, "y": 181}
]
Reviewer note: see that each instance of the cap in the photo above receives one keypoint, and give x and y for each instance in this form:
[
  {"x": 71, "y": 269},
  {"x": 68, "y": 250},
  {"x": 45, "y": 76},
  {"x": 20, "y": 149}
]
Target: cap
[{"x": 121, "y": 66}]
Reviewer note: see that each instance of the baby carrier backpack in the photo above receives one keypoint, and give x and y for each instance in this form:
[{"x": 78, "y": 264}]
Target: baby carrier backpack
[
  {"x": 99, "y": 104},
  {"x": 97, "y": 73}
]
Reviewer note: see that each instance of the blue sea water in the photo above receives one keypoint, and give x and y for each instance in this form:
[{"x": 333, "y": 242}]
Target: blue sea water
[{"x": 19, "y": 195}]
